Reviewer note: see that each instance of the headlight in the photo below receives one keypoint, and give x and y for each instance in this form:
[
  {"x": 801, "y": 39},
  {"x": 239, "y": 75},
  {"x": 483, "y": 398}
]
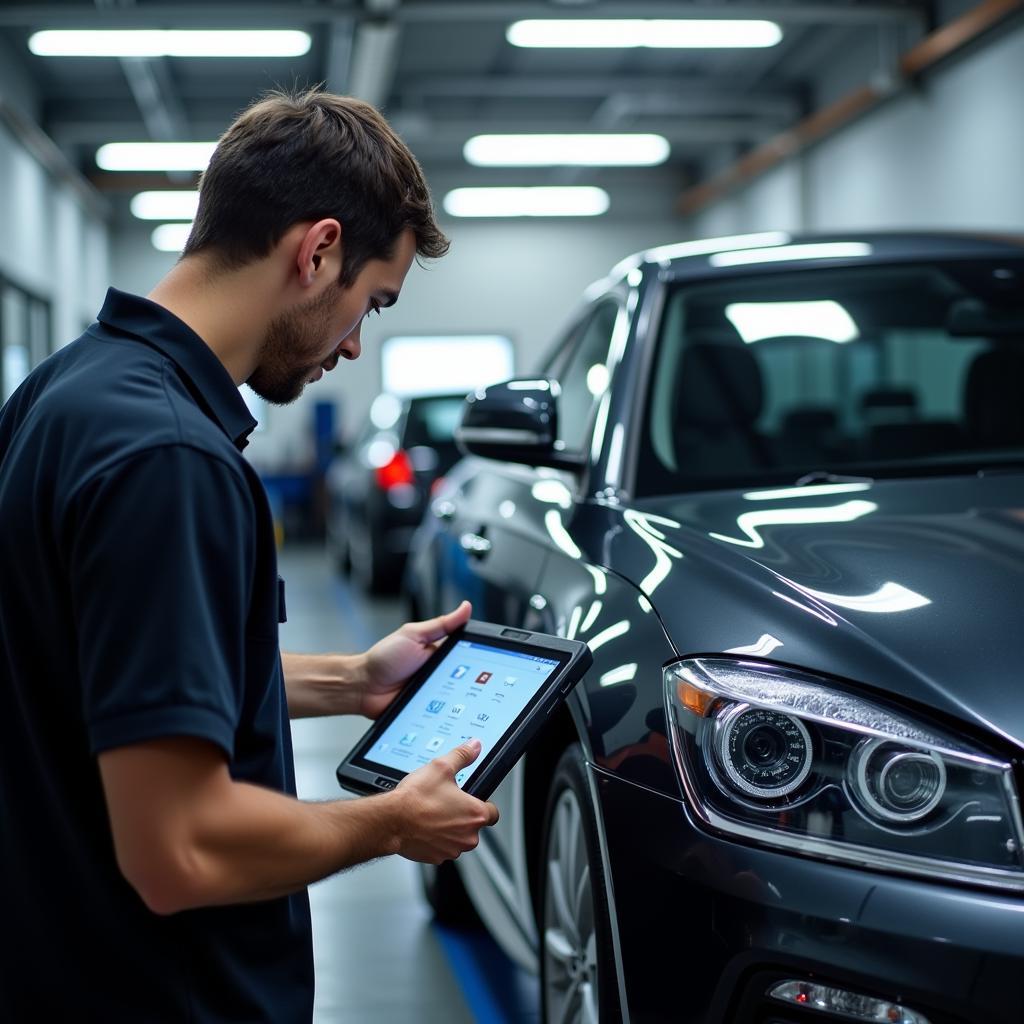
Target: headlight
[{"x": 780, "y": 757}]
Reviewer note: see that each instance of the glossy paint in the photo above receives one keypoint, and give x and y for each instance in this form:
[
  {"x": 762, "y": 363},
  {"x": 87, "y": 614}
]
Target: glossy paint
[{"x": 902, "y": 589}]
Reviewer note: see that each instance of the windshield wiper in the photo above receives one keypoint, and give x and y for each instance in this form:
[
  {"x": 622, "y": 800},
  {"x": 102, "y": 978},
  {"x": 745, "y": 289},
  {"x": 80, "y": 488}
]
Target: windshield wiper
[{"x": 824, "y": 476}]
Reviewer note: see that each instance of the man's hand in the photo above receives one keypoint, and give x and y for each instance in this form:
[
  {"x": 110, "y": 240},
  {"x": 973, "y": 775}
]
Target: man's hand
[
  {"x": 439, "y": 820},
  {"x": 391, "y": 661}
]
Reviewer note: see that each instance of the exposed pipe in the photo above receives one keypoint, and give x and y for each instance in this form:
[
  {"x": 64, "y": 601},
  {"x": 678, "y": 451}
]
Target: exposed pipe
[{"x": 936, "y": 47}]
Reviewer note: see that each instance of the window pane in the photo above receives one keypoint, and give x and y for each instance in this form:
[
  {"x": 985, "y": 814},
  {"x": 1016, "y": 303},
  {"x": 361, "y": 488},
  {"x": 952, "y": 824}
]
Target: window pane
[
  {"x": 452, "y": 363},
  {"x": 585, "y": 377}
]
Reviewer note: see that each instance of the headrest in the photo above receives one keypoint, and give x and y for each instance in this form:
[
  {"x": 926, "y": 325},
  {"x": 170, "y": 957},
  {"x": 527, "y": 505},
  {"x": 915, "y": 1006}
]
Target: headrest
[
  {"x": 717, "y": 386},
  {"x": 993, "y": 405},
  {"x": 809, "y": 420},
  {"x": 888, "y": 398}
]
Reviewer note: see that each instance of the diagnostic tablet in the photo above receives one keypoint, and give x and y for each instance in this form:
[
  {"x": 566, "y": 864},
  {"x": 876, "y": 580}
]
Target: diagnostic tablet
[{"x": 485, "y": 681}]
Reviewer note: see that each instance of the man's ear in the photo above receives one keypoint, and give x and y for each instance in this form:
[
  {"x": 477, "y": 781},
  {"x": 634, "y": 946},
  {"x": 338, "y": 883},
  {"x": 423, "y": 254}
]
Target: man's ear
[{"x": 318, "y": 259}]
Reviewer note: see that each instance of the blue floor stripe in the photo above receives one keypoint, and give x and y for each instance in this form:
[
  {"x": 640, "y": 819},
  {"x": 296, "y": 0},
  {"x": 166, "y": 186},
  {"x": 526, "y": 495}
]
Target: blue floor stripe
[{"x": 495, "y": 989}]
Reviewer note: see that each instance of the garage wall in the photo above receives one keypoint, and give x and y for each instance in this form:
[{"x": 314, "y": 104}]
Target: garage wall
[
  {"x": 946, "y": 155},
  {"x": 50, "y": 244}
]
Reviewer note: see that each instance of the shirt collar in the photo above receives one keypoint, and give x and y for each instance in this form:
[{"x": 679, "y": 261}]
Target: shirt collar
[{"x": 151, "y": 323}]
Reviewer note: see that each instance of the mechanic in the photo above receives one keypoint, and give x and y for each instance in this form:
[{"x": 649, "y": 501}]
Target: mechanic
[{"x": 155, "y": 857}]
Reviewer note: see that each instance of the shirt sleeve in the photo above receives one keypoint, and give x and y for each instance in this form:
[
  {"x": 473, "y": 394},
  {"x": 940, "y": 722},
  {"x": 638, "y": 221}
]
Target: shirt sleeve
[{"x": 160, "y": 568}]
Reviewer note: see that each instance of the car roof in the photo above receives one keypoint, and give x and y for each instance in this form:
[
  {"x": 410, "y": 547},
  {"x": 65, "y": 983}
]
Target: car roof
[{"x": 709, "y": 256}]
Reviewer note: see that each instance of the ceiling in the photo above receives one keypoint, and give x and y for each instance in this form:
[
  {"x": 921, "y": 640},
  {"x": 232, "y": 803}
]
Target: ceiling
[{"x": 443, "y": 71}]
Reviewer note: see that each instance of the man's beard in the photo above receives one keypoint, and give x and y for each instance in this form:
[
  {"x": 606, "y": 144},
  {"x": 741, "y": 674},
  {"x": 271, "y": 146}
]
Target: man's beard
[{"x": 288, "y": 355}]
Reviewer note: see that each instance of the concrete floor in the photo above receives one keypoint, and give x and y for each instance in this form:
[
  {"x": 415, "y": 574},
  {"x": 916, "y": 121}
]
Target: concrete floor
[{"x": 379, "y": 959}]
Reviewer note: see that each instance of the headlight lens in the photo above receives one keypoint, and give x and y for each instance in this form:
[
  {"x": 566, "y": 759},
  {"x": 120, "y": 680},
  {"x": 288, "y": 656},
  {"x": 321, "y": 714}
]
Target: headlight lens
[{"x": 779, "y": 756}]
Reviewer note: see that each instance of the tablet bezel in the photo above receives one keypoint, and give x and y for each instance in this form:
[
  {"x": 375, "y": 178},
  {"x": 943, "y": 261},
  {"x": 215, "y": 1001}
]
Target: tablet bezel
[{"x": 360, "y": 774}]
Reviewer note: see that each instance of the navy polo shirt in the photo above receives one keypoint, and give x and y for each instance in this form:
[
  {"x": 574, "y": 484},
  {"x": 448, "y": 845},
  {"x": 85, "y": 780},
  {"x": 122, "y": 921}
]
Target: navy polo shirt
[{"x": 139, "y": 598}]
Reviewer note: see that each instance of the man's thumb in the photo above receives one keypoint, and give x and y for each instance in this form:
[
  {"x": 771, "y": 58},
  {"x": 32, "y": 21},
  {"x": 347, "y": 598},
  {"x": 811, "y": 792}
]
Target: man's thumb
[{"x": 463, "y": 755}]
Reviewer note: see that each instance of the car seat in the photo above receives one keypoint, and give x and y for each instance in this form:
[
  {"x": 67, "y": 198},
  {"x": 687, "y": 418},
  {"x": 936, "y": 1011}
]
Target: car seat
[
  {"x": 993, "y": 409},
  {"x": 717, "y": 400}
]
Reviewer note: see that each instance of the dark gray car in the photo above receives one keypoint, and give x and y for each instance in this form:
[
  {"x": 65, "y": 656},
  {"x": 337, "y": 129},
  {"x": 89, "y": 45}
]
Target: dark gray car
[{"x": 778, "y": 486}]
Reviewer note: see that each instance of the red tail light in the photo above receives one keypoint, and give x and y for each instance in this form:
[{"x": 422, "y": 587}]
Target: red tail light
[{"x": 396, "y": 472}]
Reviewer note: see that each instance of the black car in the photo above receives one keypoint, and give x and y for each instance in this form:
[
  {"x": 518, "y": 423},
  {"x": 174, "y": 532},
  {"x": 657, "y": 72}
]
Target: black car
[
  {"x": 778, "y": 486},
  {"x": 378, "y": 488}
]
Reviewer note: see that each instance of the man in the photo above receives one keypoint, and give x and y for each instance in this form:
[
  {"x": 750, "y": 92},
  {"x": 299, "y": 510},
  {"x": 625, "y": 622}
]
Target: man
[{"x": 154, "y": 856}]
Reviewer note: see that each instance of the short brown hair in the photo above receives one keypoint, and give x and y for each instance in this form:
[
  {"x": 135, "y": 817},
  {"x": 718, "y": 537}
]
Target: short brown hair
[{"x": 293, "y": 157}]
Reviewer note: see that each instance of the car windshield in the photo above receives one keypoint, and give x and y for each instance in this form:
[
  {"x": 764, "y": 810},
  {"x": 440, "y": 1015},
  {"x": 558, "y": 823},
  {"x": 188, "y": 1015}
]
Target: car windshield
[{"x": 874, "y": 371}]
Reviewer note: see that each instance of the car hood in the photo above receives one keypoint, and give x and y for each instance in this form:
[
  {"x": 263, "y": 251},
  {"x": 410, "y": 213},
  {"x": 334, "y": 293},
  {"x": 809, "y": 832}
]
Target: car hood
[{"x": 911, "y": 587}]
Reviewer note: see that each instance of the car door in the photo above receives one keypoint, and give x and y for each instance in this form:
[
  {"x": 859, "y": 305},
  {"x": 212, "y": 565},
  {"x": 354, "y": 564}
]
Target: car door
[{"x": 510, "y": 521}]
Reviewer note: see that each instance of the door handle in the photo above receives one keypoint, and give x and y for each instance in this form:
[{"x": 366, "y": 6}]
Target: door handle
[{"x": 475, "y": 545}]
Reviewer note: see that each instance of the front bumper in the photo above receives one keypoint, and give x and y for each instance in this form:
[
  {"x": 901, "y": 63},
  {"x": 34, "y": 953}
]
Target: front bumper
[{"x": 707, "y": 924}]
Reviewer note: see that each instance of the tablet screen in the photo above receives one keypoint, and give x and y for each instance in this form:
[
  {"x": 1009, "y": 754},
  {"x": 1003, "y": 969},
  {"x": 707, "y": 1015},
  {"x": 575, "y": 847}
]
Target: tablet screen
[{"x": 477, "y": 690}]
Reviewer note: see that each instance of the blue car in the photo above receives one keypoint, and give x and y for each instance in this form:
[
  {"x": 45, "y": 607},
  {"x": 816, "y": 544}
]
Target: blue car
[{"x": 777, "y": 484}]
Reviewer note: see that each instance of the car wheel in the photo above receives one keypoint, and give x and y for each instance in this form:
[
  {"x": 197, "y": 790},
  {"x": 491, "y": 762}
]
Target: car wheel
[
  {"x": 577, "y": 968},
  {"x": 447, "y": 896}
]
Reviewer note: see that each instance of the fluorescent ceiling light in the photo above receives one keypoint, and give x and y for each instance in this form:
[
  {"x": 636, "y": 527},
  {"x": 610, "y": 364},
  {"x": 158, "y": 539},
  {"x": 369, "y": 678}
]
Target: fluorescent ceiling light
[
  {"x": 170, "y": 237},
  {"x": 155, "y": 156},
  {"x": 167, "y": 205},
  {"x": 634, "y": 150},
  {"x": 825, "y": 319},
  {"x": 677, "y": 33},
  {"x": 819, "y": 251},
  {"x": 169, "y": 43},
  {"x": 537, "y": 201}
]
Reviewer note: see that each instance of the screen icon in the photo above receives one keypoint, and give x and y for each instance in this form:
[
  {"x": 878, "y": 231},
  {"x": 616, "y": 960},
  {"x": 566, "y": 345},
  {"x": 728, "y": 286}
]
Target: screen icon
[
  {"x": 484, "y": 677},
  {"x": 510, "y": 680},
  {"x": 436, "y": 743},
  {"x": 434, "y": 707},
  {"x": 409, "y": 738},
  {"x": 482, "y": 717},
  {"x": 460, "y": 671},
  {"x": 456, "y": 710}
]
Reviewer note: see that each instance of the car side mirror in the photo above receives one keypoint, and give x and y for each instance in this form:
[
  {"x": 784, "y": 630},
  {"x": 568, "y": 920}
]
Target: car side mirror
[{"x": 516, "y": 421}]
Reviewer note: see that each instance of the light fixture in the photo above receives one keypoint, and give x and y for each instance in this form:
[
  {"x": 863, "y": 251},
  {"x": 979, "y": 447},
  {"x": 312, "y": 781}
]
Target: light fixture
[
  {"x": 661, "y": 33},
  {"x": 155, "y": 156},
  {"x": 169, "y": 43},
  {"x": 531, "y": 201},
  {"x": 170, "y": 237},
  {"x": 165, "y": 205},
  {"x": 824, "y": 318},
  {"x": 619, "y": 150},
  {"x": 815, "y": 251}
]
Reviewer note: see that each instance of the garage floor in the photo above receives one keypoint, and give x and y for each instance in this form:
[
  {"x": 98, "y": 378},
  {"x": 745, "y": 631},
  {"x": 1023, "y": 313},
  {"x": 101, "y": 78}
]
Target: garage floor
[{"x": 379, "y": 958}]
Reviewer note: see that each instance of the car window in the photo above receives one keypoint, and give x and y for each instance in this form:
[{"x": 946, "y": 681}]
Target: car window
[
  {"x": 584, "y": 377},
  {"x": 871, "y": 370},
  {"x": 432, "y": 421}
]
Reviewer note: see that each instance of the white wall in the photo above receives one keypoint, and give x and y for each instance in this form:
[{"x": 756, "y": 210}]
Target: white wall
[
  {"x": 50, "y": 244},
  {"x": 518, "y": 278},
  {"x": 947, "y": 155}
]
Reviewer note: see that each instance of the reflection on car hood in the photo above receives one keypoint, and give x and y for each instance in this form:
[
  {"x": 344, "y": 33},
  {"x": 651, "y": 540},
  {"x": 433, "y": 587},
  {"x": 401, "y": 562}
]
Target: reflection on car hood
[{"x": 913, "y": 587}]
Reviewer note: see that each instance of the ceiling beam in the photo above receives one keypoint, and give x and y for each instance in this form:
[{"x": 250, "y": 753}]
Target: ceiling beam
[
  {"x": 276, "y": 13},
  {"x": 707, "y": 97}
]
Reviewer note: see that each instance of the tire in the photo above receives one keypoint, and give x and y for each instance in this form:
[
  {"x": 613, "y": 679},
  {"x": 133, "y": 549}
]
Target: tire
[
  {"x": 447, "y": 896},
  {"x": 577, "y": 977}
]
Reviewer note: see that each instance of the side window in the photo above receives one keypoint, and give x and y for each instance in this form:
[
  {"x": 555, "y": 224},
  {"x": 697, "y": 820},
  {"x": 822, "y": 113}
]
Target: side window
[{"x": 584, "y": 377}]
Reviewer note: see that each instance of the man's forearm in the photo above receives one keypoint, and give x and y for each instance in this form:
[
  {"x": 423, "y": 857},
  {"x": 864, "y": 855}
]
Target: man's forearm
[
  {"x": 323, "y": 684},
  {"x": 262, "y": 844}
]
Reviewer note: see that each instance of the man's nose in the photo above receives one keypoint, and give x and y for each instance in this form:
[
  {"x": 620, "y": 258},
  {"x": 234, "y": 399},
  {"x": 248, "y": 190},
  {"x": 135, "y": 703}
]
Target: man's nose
[{"x": 351, "y": 347}]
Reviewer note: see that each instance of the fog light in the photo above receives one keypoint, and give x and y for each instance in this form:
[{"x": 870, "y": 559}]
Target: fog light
[{"x": 848, "y": 1005}]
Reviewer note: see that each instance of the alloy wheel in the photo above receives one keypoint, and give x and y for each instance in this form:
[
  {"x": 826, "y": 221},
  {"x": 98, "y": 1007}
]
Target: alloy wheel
[{"x": 570, "y": 941}]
